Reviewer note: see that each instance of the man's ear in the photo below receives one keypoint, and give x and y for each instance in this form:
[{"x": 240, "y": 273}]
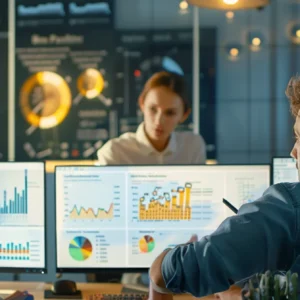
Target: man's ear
[
  {"x": 141, "y": 104},
  {"x": 185, "y": 115}
]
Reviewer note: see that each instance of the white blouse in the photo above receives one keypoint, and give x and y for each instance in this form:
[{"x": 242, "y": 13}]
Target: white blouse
[{"x": 135, "y": 149}]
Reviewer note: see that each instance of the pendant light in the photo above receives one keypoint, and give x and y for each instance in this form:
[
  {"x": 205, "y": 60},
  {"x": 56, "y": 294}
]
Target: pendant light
[{"x": 230, "y": 4}]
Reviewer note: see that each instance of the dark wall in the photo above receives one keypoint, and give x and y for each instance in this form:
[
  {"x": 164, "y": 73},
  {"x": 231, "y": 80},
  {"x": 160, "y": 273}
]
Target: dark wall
[{"x": 4, "y": 80}]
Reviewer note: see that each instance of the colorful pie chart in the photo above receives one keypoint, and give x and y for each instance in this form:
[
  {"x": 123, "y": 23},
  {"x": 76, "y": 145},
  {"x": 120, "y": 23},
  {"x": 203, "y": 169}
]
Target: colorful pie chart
[
  {"x": 80, "y": 248},
  {"x": 146, "y": 244}
]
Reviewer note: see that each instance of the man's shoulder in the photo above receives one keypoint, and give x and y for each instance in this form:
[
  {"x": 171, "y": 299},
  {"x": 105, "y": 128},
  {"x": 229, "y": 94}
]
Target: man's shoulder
[
  {"x": 286, "y": 191},
  {"x": 293, "y": 189}
]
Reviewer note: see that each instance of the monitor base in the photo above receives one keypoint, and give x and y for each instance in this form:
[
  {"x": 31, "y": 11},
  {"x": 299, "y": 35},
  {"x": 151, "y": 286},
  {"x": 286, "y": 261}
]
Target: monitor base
[{"x": 48, "y": 294}]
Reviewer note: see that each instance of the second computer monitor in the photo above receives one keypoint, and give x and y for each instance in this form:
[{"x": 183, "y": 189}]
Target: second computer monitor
[
  {"x": 123, "y": 217},
  {"x": 284, "y": 170}
]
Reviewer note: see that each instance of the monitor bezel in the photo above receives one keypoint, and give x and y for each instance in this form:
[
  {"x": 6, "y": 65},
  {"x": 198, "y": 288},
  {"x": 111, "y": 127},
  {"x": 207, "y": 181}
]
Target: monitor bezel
[
  {"x": 272, "y": 165},
  {"x": 18, "y": 270},
  {"x": 126, "y": 269}
]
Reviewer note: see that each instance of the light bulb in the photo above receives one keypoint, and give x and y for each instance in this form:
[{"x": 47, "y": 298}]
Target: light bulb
[
  {"x": 256, "y": 41},
  {"x": 230, "y": 15},
  {"x": 230, "y": 2},
  {"x": 234, "y": 52},
  {"x": 183, "y": 5},
  {"x": 298, "y": 33}
]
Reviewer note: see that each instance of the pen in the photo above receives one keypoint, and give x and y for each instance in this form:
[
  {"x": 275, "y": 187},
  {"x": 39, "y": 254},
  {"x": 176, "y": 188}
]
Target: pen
[{"x": 230, "y": 206}]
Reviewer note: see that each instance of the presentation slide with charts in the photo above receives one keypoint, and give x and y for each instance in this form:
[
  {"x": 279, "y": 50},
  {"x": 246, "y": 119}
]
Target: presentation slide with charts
[
  {"x": 22, "y": 215},
  {"x": 124, "y": 216}
]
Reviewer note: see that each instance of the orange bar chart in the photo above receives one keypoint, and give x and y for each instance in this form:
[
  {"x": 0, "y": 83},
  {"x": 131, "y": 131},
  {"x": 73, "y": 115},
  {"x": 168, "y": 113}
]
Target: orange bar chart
[{"x": 176, "y": 207}]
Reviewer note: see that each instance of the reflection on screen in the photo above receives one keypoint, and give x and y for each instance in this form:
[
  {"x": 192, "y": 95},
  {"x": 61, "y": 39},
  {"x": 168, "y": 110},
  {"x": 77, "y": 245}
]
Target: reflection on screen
[
  {"x": 22, "y": 240},
  {"x": 123, "y": 217},
  {"x": 284, "y": 170}
]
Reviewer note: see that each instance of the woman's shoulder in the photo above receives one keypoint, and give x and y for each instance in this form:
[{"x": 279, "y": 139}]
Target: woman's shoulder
[
  {"x": 112, "y": 152},
  {"x": 190, "y": 137},
  {"x": 123, "y": 140}
]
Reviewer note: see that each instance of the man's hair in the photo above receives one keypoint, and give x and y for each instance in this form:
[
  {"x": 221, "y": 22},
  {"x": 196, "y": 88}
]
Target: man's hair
[{"x": 293, "y": 94}]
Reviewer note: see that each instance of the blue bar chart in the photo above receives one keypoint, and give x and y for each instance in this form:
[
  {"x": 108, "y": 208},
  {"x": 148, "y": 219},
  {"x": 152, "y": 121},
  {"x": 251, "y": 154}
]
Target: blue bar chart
[
  {"x": 19, "y": 203},
  {"x": 12, "y": 251}
]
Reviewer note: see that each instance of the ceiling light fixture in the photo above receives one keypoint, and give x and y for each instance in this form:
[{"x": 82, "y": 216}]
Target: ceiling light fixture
[
  {"x": 183, "y": 5},
  {"x": 229, "y": 15},
  {"x": 230, "y": 4}
]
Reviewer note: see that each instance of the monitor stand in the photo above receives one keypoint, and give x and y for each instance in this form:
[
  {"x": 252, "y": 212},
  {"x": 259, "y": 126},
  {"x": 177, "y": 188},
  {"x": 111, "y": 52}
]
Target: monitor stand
[
  {"x": 110, "y": 276},
  {"x": 16, "y": 277},
  {"x": 63, "y": 289}
]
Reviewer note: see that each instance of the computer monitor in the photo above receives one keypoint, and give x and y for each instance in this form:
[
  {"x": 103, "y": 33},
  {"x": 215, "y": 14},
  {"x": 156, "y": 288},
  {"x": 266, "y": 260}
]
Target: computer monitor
[
  {"x": 22, "y": 217},
  {"x": 122, "y": 217},
  {"x": 284, "y": 170}
]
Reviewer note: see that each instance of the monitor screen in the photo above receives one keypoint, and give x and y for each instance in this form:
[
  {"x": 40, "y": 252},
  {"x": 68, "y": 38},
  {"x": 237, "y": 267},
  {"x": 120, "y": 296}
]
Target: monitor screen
[
  {"x": 284, "y": 170},
  {"x": 22, "y": 217},
  {"x": 123, "y": 217}
]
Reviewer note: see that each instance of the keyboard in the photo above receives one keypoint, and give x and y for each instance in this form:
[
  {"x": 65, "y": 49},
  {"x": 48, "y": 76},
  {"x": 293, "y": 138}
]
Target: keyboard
[{"x": 117, "y": 297}]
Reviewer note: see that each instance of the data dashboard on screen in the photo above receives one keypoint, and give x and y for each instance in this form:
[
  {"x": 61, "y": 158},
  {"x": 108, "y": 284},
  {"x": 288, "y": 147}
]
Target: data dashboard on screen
[
  {"x": 123, "y": 217},
  {"x": 284, "y": 170},
  {"x": 22, "y": 216}
]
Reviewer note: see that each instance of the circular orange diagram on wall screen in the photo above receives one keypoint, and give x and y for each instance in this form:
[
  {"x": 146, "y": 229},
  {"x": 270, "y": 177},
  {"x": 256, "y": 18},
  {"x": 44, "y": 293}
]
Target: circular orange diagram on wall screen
[
  {"x": 45, "y": 100},
  {"x": 90, "y": 83}
]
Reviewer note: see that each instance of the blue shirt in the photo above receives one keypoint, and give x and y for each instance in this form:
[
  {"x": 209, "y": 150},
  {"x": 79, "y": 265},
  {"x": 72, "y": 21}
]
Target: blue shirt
[{"x": 264, "y": 235}]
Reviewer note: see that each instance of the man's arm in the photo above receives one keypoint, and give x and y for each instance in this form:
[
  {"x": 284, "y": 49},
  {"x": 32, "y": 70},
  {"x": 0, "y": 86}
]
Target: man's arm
[{"x": 259, "y": 238}]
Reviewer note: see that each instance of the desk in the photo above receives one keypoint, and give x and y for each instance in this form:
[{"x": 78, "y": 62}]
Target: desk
[{"x": 37, "y": 290}]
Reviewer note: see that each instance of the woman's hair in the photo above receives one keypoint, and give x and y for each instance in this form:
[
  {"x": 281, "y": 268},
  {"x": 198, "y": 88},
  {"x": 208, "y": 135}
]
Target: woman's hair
[
  {"x": 293, "y": 94},
  {"x": 172, "y": 81}
]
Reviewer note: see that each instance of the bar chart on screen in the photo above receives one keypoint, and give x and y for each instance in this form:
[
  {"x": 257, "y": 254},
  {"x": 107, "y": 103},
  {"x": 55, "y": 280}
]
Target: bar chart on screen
[
  {"x": 174, "y": 204},
  {"x": 25, "y": 247},
  {"x": 164, "y": 199},
  {"x": 20, "y": 198},
  {"x": 17, "y": 205}
]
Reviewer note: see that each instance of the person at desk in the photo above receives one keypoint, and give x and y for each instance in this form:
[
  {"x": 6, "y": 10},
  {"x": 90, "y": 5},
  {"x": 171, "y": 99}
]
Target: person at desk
[
  {"x": 164, "y": 105},
  {"x": 265, "y": 235}
]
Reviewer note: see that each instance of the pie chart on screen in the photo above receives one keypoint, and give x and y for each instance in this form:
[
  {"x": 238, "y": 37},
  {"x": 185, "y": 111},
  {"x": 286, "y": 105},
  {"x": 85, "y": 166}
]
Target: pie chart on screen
[
  {"x": 146, "y": 244},
  {"x": 80, "y": 248}
]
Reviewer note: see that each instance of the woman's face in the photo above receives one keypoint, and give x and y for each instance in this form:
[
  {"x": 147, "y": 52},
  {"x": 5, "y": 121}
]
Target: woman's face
[
  {"x": 296, "y": 150},
  {"x": 163, "y": 110}
]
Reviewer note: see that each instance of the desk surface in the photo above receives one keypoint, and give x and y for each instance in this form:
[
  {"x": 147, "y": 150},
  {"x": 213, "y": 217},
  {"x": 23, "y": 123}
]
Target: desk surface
[{"x": 37, "y": 290}]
